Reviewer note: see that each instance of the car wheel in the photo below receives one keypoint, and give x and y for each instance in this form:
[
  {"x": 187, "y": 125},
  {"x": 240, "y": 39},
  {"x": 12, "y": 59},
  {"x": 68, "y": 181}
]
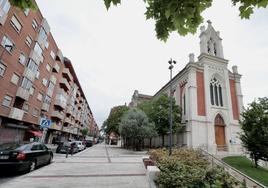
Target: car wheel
[
  {"x": 32, "y": 166},
  {"x": 49, "y": 160}
]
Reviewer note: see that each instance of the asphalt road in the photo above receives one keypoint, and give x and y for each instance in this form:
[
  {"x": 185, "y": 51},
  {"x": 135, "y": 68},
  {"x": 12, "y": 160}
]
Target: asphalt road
[{"x": 99, "y": 166}]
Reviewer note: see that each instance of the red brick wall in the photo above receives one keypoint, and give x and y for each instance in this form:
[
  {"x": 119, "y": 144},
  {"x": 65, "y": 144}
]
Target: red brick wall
[
  {"x": 201, "y": 109},
  {"x": 234, "y": 100}
]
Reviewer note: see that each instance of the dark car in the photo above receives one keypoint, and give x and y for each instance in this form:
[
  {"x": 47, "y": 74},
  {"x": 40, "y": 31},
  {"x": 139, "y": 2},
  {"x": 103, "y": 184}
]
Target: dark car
[
  {"x": 88, "y": 143},
  {"x": 65, "y": 147},
  {"x": 23, "y": 156}
]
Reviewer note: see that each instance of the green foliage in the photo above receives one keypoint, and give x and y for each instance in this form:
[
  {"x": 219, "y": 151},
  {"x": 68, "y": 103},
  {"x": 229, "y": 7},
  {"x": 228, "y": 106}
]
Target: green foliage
[
  {"x": 157, "y": 111},
  {"x": 24, "y": 4},
  {"x": 188, "y": 168},
  {"x": 184, "y": 16},
  {"x": 246, "y": 166},
  {"x": 84, "y": 131},
  {"x": 255, "y": 130},
  {"x": 135, "y": 124},
  {"x": 114, "y": 119}
]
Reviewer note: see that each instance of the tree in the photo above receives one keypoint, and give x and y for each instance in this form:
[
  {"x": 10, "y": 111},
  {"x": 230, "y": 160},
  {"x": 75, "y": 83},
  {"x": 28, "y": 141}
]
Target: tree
[
  {"x": 135, "y": 125},
  {"x": 114, "y": 118},
  {"x": 24, "y": 4},
  {"x": 157, "y": 111},
  {"x": 84, "y": 132},
  {"x": 184, "y": 16},
  {"x": 255, "y": 130}
]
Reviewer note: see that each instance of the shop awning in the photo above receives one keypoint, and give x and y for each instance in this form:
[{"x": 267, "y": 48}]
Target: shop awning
[{"x": 36, "y": 133}]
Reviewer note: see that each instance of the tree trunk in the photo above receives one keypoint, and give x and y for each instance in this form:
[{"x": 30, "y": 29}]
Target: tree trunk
[
  {"x": 163, "y": 140},
  {"x": 256, "y": 161},
  {"x": 150, "y": 143}
]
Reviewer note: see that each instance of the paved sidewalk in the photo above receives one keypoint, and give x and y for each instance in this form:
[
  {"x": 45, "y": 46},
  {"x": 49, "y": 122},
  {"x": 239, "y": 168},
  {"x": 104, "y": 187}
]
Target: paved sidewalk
[{"x": 100, "y": 166}]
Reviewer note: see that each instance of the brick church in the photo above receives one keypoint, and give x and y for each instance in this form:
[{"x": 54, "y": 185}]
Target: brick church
[{"x": 210, "y": 97}]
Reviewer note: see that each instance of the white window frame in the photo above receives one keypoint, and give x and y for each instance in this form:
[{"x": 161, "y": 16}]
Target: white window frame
[
  {"x": 29, "y": 40},
  {"x": 31, "y": 91},
  {"x": 35, "y": 110},
  {"x": 7, "y": 41},
  {"x": 3, "y": 68},
  {"x": 34, "y": 24},
  {"x": 48, "y": 67},
  {"x": 8, "y": 99},
  {"x": 22, "y": 59},
  {"x": 16, "y": 24},
  {"x": 15, "y": 78},
  {"x": 40, "y": 95}
]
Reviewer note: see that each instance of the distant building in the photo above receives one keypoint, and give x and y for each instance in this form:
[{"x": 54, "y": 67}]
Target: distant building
[
  {"x": 37, "y": 81},
  {"x": 138, "y": 98},
  {"x": 210, "y": 97}
]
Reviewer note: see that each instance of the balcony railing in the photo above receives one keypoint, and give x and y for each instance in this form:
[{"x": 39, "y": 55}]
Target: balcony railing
[
  {"x": 16, "y": 113},
  {"x": 29, "y": 74},
  {"x": 56, "y": 68},
  {"x": 65, "y": 84},
  {"x": 45, "y": 107},
  {"x": 66, "y": 74},
  {"x": 57, "y": 114},
  {"x": 23, "y": 93}
]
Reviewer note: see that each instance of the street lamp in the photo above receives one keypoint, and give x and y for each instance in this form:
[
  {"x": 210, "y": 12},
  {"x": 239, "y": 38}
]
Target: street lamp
[{"x": 170, "y": 62}]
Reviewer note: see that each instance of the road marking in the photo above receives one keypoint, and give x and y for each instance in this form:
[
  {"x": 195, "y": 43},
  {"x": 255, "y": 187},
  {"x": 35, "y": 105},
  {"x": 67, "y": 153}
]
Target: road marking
[{"x": 85, "y": 175}]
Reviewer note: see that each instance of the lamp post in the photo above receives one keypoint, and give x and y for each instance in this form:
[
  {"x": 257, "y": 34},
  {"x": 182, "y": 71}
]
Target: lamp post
[{"x": 171, "y": 63}]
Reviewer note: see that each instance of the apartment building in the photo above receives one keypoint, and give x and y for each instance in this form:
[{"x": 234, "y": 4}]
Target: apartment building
[{"x": 37, "y": 81}]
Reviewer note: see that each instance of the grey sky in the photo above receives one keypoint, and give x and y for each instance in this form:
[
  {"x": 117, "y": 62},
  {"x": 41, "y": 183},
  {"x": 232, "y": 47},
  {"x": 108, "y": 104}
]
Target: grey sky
[{"x": 116, "y": 52}]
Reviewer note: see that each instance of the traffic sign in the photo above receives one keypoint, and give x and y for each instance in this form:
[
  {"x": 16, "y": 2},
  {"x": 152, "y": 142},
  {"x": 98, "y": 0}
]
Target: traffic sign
[{"x": 45, "y": 123}]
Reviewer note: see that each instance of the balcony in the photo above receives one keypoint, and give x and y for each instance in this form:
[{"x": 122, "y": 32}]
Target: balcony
[
  {"x": 16, "y": 113},
  {"x": 29, "y": 74},
  {"x": 69, "y": 110},
  {"x": 56, "y": 126},
  {"x": 61, "y": 99},
  {"x": 66, "y": 74},
  {"x": 37, "y": 58},
  {"x": 45, "y": 107},
  {"x": 59, "y": 56},
  {"x": 23, "y": 93},
  {"x": 65, "y": 84},
  {"x": 56, "y": 68},
  {"x": 57, "y": 114},
  {"x": 68, "y": 120},
  {"x": 50, "y": 92},
  {"x": 45, "y": 25}
]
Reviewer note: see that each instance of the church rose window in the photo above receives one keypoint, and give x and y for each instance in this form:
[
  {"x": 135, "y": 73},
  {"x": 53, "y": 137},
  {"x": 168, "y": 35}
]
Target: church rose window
[{"x": 216, "y": 92}]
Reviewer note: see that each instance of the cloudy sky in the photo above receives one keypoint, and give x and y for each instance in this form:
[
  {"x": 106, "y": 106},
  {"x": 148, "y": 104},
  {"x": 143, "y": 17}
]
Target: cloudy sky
[{"x": 115, "y": 52}]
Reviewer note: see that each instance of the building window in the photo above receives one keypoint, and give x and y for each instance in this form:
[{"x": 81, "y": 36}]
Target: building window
[
  {"x": 15, "y": 23},
  {"x": 32, "y": 66},
  {"x": 52, "y": 54},
  {"x": 7, "y": 101},
  {"x": 28, "y": 41},
  {"x": 35, "y": 112},
  {"x": 44, "y": 82},
  {"x": 26, "y": 83},
  {"x": 216, "y": 92},
  {"x": 7, "y": 44},
  {"x": 32, "y": 91},
  {"x": 22, "y": 59},
  {"x": 26, "y": 11},
  {"x": 38, "y": 49},
  {"x": 37, "y": 74},
  {"x": 15, "y": 79},
  {"x": 47, "y": 99},
  {"x": 48, "y": 67},
  {"x": 47, "y": 44},
  {"x": 2, "y": 69},
  {"x": 34, "y": 24},
  {"x": 25, "y": 107},
  {"x": 40, "y": 96}
]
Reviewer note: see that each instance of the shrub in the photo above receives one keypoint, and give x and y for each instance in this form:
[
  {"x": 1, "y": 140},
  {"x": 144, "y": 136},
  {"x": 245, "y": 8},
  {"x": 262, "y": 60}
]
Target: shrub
[{"x": 188, "y": 168}]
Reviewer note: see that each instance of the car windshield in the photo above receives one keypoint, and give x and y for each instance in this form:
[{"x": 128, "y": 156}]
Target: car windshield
[{"x": 13, "y": 146}]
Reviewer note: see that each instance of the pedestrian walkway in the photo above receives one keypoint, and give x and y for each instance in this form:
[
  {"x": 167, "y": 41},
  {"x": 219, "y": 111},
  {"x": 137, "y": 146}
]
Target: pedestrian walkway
[{"x": 97, "y": 167}]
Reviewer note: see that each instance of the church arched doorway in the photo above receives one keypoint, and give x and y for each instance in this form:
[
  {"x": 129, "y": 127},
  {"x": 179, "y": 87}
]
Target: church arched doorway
[{"x": 220, "y": 132}]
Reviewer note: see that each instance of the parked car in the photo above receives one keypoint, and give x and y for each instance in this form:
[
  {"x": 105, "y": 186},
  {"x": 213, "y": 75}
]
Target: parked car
[
  {"x": 65, "y": 147},
  {"x": 80, "y": 145},
  {"x": 88, "y": 143},
  {"x": 24, "y": 156}
]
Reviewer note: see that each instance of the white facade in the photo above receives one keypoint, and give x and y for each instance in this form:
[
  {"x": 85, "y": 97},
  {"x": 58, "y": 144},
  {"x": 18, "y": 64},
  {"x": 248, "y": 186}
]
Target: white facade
[{"x": 206, "y": 89}]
